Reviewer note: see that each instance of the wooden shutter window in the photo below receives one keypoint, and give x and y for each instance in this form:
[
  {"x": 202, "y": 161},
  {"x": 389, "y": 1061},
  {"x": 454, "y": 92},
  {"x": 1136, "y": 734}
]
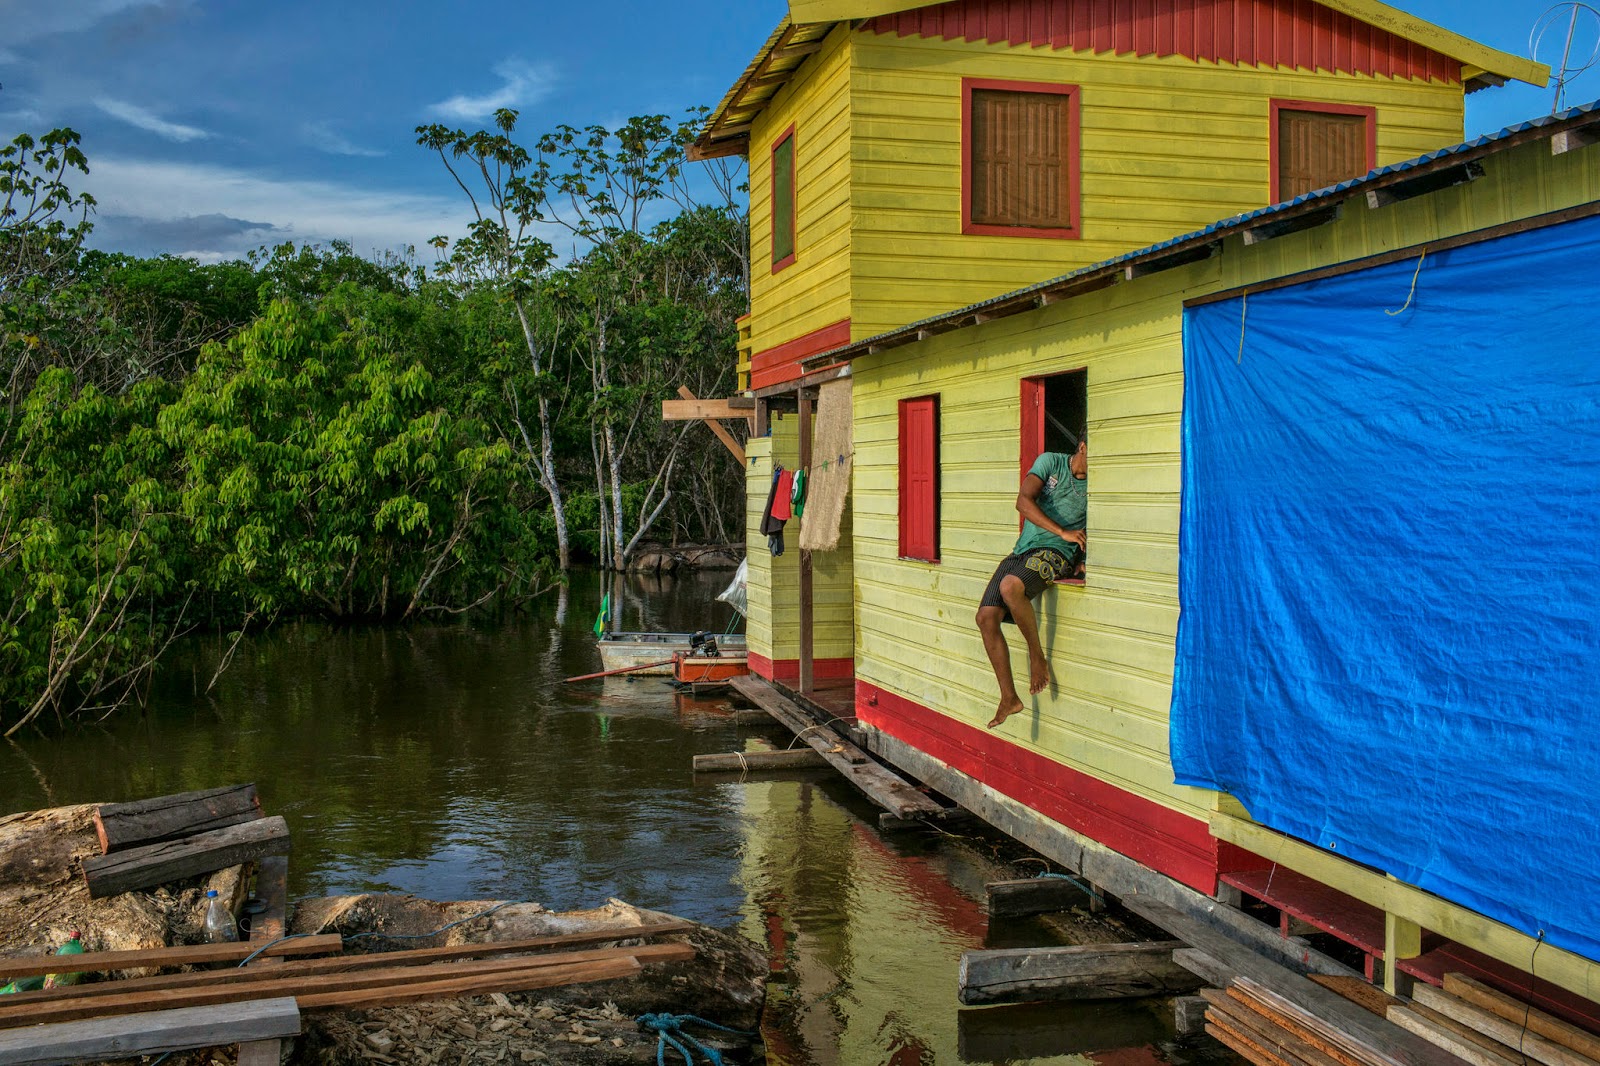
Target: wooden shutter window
[
  {"x": 783, "y": 202},
  {"x": 1318, "y": 145},
  {"x": 1021, "y": 159},
  {"x": 919, "y": 479}
]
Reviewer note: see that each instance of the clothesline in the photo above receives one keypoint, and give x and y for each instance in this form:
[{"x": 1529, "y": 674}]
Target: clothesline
[{"x": 826, "y": 464}]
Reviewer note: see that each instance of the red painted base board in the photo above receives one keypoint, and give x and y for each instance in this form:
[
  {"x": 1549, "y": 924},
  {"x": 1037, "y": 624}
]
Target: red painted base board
[
  {"x": 789, "y": 669},
  {"x": 779, "y": 364},
  {"x": 1163, "y": 839}
]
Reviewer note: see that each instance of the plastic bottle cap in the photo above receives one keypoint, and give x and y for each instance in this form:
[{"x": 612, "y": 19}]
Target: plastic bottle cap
[{"x": 210, "y": 892}]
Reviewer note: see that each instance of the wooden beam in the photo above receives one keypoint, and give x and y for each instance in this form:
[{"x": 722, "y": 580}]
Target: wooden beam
[
  {"x": 194, "y": 955},
  {"x": 695, "y": 410},
  {"x": 272, "y": 888},
  {"x": 1430, "y": 181},
  {"x": 1504, "y": 1030},
  {"x": 1357, "y": 991},
  {"x": 129, "y": 825},
  {"x": 1033, "y": 895},
  {"x": 1573, "y": 139},
  {"x": 1265, "y": 1031},
  {"x": 807, "y": 599},
  {"x": 513, "y": 981},
  {"x": 1083, "y": 971},
  {"x": 738, "y": 762},
  {"x": 1295, "y": 223},
  {"x": 716, "y": 427},
  {"x": 1460, "y": 1040},
  {"x": 1481, "y": 995},
  {"x": 1451, "y": 920},
  {"x": 1169, "y": 260},
  {"x": 172, "y": 860},
  {"x": 1402, "y": 939},
  {"x": 153, "y": 1033}
]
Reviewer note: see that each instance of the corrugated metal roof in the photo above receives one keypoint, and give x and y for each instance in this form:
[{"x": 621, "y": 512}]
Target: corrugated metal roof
[{"x": 1394, "y": 173}]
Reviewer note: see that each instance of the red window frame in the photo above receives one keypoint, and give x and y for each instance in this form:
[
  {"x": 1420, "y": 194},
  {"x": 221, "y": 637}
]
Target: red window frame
[
  {"x": 919, "y": 479},
  {"x": 1074, "y": 228},
  {"x": 1031, "y": 435},
  {"x": 794, "y": 200},
  {"x": 1367, "y": 112}
]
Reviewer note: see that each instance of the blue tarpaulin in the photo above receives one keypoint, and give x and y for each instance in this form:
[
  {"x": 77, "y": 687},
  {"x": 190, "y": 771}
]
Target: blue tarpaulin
[{"x": 1390, "y": 571}]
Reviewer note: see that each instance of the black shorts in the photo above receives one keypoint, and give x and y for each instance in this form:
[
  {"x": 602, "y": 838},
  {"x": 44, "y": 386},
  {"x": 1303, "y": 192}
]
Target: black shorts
[{"x": 1036, "y": 568}]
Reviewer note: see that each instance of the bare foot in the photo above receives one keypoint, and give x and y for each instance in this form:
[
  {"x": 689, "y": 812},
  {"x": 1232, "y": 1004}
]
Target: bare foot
[
  {"x": 1038, "y": 676},
  {"x": 1006, "y": 710}
]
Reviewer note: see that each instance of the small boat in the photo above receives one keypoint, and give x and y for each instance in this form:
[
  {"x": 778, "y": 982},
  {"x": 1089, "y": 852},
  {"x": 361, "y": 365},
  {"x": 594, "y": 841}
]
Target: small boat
[
  {"x": 691, "y": 669},
  {"x": 622, "y": 650}
]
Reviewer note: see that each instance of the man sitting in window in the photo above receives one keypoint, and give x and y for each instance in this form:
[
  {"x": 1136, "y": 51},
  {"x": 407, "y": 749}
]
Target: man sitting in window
[{"x": 1053, "y": 503}]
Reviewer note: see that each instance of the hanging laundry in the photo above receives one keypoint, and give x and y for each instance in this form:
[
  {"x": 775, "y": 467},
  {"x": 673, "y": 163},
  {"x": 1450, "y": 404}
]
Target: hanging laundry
[
  {"x": 798, "y": 496},
  {"x": 783, "y": 498},
  {"x": 771, "y": 524}
]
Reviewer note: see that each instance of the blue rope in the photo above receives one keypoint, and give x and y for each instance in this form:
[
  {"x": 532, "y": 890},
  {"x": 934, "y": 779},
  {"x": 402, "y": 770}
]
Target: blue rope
[
  {"x": 1090, "y": 892},
  {"x": 669, "y": 1030}
]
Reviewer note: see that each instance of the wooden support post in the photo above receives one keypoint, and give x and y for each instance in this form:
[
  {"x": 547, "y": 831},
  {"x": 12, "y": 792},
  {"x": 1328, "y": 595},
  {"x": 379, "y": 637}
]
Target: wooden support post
[
  {"x": 1082, "y": 971},
  {"x": 1189, "y": 1014},
  {"x": 716, "y": 427},
  {"x": 807, "y": 606},
  {"x": 272, "y": 888},
  {"x": 1402, "y": 939}
]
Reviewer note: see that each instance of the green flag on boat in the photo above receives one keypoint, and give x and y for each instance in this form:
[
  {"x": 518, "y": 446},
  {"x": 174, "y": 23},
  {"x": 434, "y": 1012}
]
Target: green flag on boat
[{"x": 604, "y": 616}]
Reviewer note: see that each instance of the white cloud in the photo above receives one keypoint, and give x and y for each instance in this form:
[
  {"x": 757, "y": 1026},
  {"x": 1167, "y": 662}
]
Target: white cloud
[
  {"x": 322, "y": 135},
  {"x": 135, "y": 115},
  {"x": 28, "y": 20},
  {"x": 521, "y": 85},
  {"x": 304, "y": 211}
]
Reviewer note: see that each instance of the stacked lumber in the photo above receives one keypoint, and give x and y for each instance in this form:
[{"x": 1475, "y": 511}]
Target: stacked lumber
[
  {"x": 1272, "y": 1030},
  {"x": 1486, "y": 1027}
]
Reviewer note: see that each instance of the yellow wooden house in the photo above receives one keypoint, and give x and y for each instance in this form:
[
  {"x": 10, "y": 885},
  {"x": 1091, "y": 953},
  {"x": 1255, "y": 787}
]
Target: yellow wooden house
[{"x": 983, "y": 225}]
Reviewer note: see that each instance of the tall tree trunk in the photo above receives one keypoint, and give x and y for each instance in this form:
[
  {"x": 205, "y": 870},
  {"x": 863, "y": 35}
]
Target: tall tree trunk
[{"x": 544, "y": 458}]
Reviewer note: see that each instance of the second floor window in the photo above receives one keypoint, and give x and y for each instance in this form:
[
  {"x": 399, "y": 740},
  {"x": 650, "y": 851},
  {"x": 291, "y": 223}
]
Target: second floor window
[
  {"x": 1317, "y": 145},
  {"x": 1020, "y": 163},
  {"x": 783, "y": 201}
]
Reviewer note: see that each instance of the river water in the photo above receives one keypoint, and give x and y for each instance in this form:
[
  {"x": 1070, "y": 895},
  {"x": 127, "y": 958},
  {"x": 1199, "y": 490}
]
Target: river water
[{"x": 450, "y": 762}]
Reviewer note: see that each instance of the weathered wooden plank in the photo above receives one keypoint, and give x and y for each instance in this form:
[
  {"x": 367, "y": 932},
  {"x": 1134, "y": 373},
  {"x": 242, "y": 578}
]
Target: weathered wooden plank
[
  {"x": 1358, "y": 991},
  {"x": 1237, "y": 1014},
  {"x": 155, "y": 864},
  {"x": 270, "y": 984},
  {"x": 1493, "y": 1000},
  {"x": 1244, "y": 1045},
  {"x": 741, "y": 761},
  {"x": 514, "y": 981},
  {"x": 694, "y": 410},
  {"x": 1335, "y": 1050},
  {"x": 349, "y": 963},
  {"x": 272, "y": 888},
  {"x": 1290, "y": 992},
  {"x": 1032, "y": 895},
  {"x": 1460, "y": 1040},
  {"x": 1080, "y": 971},
  {"x": 1509, "y": 1032},
  {"x": 128, "y": 825},
  {"x": 885, "y": 788},
  {"x": 151, "y": 1033},
  {"x": 1204, "y": 967},
  {"x": 189, "y": 955}
]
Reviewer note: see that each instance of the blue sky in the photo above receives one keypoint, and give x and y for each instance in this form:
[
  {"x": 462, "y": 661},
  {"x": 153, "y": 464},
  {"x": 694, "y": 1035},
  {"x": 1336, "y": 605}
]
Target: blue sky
[{"x": 216, "y": 127}]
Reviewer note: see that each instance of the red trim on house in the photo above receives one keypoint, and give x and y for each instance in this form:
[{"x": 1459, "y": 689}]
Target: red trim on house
[
  {"x": 1163, "y": 839},
  {"x": 781, "y": 363},
  {"x": 789, "y": 669},
  {"x": 1369, "y": 113},
  {"x": 1073, "y": 229},
  {"x": 794, "y": 208},
  {"x": 1297, "y": 34}
]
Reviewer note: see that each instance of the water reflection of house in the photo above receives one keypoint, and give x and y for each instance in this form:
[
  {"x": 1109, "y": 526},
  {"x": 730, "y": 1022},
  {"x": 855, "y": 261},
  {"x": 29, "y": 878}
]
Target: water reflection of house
[{"x": 979, "y": 224}]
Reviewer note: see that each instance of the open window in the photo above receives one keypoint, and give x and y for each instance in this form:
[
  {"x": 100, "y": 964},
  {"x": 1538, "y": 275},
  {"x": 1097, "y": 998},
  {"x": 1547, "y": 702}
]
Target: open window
[
  {"x": 1055, "y": 413},
  {"x": 919, "y": 479}
]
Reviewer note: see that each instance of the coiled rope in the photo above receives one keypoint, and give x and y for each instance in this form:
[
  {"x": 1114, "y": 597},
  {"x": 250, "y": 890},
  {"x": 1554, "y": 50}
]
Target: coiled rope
[{"x": 669, "y": 1030}]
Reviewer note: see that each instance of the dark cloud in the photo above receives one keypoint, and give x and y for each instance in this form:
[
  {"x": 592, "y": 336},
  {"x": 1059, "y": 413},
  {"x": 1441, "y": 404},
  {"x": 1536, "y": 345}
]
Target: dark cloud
[{"x": 216, "y": 234}]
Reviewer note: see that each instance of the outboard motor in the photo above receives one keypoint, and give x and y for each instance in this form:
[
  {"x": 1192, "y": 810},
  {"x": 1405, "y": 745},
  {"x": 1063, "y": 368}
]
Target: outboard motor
[{"x": 703, "y": 645}]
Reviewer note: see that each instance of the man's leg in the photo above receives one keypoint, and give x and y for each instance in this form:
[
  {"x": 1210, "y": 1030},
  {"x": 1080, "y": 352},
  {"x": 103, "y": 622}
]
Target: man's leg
[
  {"x": 994, "y": 642},
  {"x": 1016, "y": 597}
]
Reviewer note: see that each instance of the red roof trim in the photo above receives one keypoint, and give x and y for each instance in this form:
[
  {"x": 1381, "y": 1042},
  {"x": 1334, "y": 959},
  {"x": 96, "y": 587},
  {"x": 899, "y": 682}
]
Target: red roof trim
[{"x": 1297, "y": 34}]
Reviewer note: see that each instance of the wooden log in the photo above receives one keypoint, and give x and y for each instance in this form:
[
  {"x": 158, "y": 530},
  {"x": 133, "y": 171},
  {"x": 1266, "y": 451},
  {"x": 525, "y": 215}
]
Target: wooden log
[
  {"x": 190, "y": 955},
  {"x": 1358, "y": 991},
  {"x": 272, "y": 888},
  {"x": 1462, "y": 1041},
  {"x": 153, "y": 1033},
  {"x": 1511, "y": 1009},
  {"x": 1374, "y": 1036},
  {"x": 172, "y": 860},
  {"x": 741, "y": 761},
  {"x": 130, "y": 825},
  {"x": 1508, "y": 1032},
  {"x": 268, "y": 984},
  {"x": 348, "y": 963},
  {"x": 1085, "y": 971},
  {"x": 1033, "y": 895}
]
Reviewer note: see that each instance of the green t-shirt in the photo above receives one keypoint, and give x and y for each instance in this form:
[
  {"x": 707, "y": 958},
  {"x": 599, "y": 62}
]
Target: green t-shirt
[{"x": 1064, "y": 498}]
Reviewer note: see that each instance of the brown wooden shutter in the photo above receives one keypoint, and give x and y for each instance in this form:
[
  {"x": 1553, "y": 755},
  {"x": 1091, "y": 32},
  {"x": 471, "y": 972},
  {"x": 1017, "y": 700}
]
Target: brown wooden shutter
[
  {"x": 783, "y": 221},
  {"x": 1019, "y": 170},
  {"x": 919, "y": 478},
  {"x": 1317, "y": 149}
]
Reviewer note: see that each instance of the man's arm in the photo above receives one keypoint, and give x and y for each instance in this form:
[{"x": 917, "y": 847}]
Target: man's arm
[{"x": 1028, "y": 506}]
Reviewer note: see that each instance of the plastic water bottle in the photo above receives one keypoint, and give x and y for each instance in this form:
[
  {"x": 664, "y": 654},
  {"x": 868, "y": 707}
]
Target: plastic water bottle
[
  {"x": 73, "y": 946},
  {"x": 219, "y": 920}
]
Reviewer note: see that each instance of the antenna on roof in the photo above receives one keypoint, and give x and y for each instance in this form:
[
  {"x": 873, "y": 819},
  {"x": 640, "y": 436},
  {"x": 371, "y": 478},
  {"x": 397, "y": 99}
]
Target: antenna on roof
[{"x": 1552, "y": 20}]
